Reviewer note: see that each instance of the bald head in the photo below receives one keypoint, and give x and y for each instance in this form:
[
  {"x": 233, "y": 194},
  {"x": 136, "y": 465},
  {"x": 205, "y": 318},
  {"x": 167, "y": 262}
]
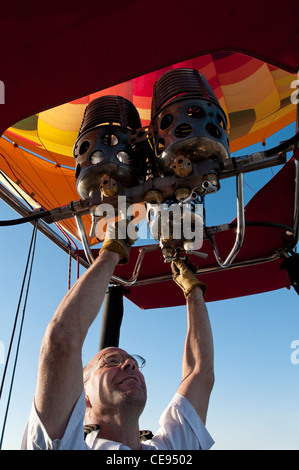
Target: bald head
[{"x": 113, "y": 383}]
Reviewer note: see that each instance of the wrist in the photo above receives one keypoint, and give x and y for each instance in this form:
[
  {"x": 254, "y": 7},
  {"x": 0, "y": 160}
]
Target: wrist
[
  {"x": 111, "y": 256},
  {"x": 196, "y": 293},
  {"x": 119, "y": 247}
]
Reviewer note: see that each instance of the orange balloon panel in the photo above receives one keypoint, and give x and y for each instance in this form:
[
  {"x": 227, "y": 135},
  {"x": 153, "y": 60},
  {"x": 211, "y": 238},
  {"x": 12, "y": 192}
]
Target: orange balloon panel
[{"x": 48, "y": 184}]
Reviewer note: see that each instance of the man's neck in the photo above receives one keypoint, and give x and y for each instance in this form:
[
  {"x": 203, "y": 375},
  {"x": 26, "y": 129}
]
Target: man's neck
[
  {"x": 127, "y": 435},
  {"x": 119, "y": 428}
]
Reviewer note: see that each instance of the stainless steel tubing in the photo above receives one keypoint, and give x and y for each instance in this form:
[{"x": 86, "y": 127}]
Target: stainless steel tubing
[{"x": 240, "y": 231}]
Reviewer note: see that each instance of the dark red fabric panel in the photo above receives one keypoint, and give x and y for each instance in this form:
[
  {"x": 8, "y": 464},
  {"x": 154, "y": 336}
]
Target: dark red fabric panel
[
  {"x": 52, "y": 54},
  {"x": 223, "y": 285}
]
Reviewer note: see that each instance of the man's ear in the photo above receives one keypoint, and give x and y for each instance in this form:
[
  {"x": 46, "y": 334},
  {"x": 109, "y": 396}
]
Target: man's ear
[{"x": 87, "y": 401}]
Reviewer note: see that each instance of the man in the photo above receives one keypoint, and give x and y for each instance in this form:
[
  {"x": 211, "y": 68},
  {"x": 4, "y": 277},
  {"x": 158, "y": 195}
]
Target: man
[{"x": 115, "y": 389}]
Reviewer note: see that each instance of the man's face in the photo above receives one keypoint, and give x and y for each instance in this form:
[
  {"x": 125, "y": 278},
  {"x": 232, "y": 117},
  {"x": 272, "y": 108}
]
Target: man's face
[{"x": 115, "y": 385}]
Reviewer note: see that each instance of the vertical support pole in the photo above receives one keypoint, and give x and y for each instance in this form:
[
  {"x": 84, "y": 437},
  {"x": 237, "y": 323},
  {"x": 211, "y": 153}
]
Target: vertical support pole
[
  {"x": 112, "y": 317},
  {"x": 84, "y": 239}
]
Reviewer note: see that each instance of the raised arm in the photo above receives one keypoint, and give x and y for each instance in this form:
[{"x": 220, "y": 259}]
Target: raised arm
[
  {"x": 198, "y": 359},
  {"x": 60, "y": 380}
]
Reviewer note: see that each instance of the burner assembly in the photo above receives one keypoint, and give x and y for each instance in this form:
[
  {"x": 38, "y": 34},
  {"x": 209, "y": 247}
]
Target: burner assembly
[
  {"x": 168, "y": 167},
  {"x": 104, "y": 159},
  {"x": 190, "y": 139}
]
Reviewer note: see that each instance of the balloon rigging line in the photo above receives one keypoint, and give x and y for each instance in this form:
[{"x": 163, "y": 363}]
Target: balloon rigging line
[{"x": 30, "y": 254}]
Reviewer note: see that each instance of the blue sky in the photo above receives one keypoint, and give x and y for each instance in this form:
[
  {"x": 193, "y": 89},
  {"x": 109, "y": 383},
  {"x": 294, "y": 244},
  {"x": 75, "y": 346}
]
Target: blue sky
[{"x": 254, "y": 404}]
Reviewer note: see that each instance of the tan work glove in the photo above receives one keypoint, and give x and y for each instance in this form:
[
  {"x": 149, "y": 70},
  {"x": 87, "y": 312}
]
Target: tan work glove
[
  {"x": 183, "y": 275},
  {"x": 119, "y": 237}
]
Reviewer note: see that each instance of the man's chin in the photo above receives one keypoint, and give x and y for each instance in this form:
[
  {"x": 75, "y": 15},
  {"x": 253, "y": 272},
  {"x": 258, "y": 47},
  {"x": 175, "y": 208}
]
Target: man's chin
[{"x": 134, "y": 397}]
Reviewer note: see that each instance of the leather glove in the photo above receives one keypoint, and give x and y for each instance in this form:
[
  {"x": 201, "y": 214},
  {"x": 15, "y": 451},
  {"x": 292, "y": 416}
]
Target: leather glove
[
  {"x": 183, "y": 275},
  {"x": 119, "y": 237}
]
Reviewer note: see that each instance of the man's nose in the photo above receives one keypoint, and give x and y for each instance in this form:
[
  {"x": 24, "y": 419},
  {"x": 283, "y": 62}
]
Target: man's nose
[{"x": 129, "y": 363}]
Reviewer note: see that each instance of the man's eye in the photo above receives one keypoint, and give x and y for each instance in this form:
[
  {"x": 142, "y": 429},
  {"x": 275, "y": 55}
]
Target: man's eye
[{"x": 113, "y": 360}]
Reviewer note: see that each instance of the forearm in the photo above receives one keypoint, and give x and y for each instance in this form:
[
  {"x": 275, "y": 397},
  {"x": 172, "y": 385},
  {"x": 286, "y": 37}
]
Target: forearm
[
  {"x": 82, "y": 303},
  {"x": 199, "y": 351},
  {"x": 198, "y": 358}
]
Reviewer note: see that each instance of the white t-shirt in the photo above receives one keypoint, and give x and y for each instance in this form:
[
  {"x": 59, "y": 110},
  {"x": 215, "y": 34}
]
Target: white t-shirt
[{"x": 180, "y": 429}]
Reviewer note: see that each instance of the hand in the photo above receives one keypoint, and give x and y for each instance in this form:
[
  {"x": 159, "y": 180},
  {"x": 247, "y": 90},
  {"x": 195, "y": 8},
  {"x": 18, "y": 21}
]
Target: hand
[
  {"x": 183, "y": 275},
  {"x": 120, "y": 236}
]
